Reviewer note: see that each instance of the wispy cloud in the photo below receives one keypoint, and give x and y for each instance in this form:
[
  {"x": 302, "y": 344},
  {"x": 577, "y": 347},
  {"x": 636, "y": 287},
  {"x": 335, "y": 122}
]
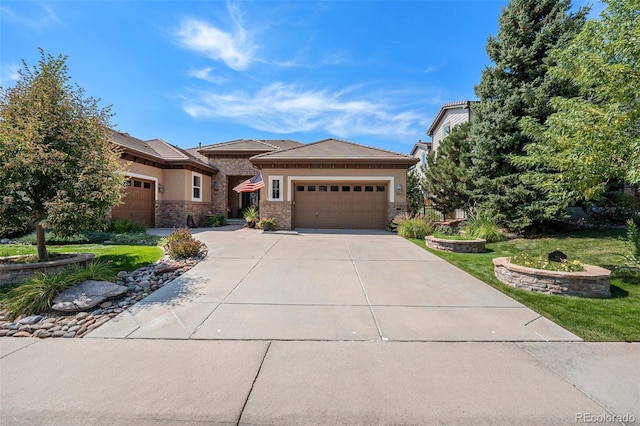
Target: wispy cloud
[
  {"x": 232, "y": 47},
  {"x": 434, "y": 68},
  {"x": 205, "y": 74},
  {"x": 9, "y": 75},
  {"x": 288, "y": 108},
  {"x": 39, "y": 18}
]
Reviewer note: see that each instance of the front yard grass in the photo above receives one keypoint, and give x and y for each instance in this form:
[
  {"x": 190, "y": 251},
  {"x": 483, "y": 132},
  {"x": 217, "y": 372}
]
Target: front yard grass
[
  {"x": 121, "y": 257},
  {"x": 597, "y": 320}
]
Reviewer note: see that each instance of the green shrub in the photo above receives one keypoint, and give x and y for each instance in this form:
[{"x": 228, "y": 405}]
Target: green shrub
[
  {"x": 216, "y": 221},
  {"x": 633, "y": 233},
  {"x": 142, "y": 239},
  {"x": 251, "y": 214},
  {"x": 127, "y": 226},
  {"x": 36, "y": 293},
  {"x": 480, "y": 224},
  {"x": 180, "y": 244},
  {"x": 53, "y": 239},
  {"x": 418, "y": 226},
  {"x": 541, "y": 262}
]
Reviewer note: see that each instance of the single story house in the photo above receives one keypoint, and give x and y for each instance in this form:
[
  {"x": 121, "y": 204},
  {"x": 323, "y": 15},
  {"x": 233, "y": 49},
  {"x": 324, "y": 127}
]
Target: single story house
[{"x": 327, "y": 184}]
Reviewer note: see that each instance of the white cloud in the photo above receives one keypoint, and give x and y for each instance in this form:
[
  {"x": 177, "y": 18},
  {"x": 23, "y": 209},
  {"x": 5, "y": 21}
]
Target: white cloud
[
  {"x": 233, "y": 48},
  {"x": 9, "y": 75},
  {"x": 205, "y": 74},
  {"x": 283, "y": 108},
  {"x": 35, "y": 19}
]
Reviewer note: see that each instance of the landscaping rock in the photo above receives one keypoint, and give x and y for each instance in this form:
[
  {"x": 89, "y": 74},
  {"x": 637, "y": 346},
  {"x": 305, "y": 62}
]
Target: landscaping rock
[
  {"x": 30, "y": 320},
  {"x": 5, "y": 241},
  {"x": 86, "y": 295}
]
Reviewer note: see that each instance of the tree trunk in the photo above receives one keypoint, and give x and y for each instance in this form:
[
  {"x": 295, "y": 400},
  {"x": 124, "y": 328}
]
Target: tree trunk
[{"x": 42, "y": 247}]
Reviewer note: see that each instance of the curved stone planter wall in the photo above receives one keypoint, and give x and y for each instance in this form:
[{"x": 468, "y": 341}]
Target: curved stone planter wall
[
  {"x": 456, "y": 246},
  {"x": 592, "y": 282},
  {"x": 12, "y": 273}
]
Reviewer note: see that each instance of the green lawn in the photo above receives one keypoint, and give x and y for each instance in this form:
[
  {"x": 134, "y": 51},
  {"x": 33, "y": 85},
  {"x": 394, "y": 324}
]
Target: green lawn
[
  {"x": 122, "y": 257},
  {"x": 613, "y": 319}
]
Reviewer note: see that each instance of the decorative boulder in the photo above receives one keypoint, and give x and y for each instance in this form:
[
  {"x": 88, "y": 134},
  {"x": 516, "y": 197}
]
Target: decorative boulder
[{"x": 86, "y": 295}]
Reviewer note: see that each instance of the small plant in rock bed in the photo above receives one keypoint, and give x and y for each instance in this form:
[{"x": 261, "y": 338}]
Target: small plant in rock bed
[
  {"x": 180, "y": 244},
  {"x": 540, "y": 262},
  {"x": 267, "y": 223},
  {"x": 480, "y": 224},
  {"x": 216, "y": 221},
  {"x": 127, "y": 226},
  {"x": 35, "y": 295}
]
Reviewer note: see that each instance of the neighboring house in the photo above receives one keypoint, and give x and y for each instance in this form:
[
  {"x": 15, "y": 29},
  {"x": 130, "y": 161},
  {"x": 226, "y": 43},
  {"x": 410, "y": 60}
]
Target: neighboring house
[
  {"x": 450, "y": 115},
  {"x": 166, "y": 185},
  {"x": 420, "y": 151},
  {"x": 333, "y": 184},
  {"x": 326, "y": 184},
  {"x": 231, "y": 159}
]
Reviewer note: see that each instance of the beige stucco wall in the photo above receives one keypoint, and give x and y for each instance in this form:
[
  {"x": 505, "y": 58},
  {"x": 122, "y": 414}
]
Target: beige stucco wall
[
  {"x": 282, "y": 211},
  {"x": 144, "y": 172}
]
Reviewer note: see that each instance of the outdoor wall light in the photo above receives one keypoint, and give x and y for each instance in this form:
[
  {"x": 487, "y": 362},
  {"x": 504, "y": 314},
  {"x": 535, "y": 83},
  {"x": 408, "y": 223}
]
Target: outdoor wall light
[
  {"x": 398, "y": 188},
  {"x": 160, "y": 187},
  {"x": 216, "y": 186}
]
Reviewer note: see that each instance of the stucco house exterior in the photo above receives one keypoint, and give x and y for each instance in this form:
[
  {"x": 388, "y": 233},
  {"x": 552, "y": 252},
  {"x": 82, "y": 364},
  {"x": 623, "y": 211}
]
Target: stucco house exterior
[
  {"x": 333, "y": 184},
  {"x": 327, "y": 184}
]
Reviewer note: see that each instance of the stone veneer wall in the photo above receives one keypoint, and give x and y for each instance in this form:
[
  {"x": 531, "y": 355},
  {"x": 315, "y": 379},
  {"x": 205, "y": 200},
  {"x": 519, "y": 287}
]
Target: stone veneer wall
[
  {"x": 281, "y": 212},
  {"x": 394, "y": 209},
  {"x": 173, "y": 214},
  {"x": 456, "y": 246},
  {"x": 13, "y": 273},
  {"x": 227, "y": 167},
  {"x": 592, "y": 282}
]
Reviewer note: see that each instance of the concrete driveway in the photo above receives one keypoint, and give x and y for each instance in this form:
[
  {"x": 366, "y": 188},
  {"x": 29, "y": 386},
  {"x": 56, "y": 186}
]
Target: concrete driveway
[
  {"x": 320, "y": 329},
  {"x": 344, "y": 286}
]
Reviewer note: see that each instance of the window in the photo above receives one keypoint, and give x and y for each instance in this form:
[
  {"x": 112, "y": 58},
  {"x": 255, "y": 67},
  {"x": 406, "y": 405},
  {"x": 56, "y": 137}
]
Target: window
[
  {"x": 196, "y": 185},
  {"x": 357, "y": 188},
  {"x": 311, "y": 188},
  {"x": 346, "y": 188},
  {"x": 334, "y": 188},
  {"x": 368, "y": 189},
  {"x": 447, "y": 130},
  {"x": 137, "y": 184},
  {"x": 147, "y": 185},
  {"x": 380, "y": 188},
  {"x": 300, "y": 188},
  {"x": 275, "y": 188}
]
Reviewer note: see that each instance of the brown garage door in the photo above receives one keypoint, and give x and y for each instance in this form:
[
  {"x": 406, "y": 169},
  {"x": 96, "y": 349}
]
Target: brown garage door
[
  {"x": 345, "y": 205},
  {"x": 139, "y": 202}
]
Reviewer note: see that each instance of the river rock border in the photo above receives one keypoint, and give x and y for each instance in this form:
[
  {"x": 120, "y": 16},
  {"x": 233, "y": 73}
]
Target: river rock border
[
  {"x": 456, "y": 246},
  {"x": 594, "y": 281},
  {"x": 140, "y": 283}
]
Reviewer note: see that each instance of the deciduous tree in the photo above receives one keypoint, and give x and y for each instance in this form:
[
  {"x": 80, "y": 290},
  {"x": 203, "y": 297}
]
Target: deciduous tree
[{"x": 58, "y": 168}]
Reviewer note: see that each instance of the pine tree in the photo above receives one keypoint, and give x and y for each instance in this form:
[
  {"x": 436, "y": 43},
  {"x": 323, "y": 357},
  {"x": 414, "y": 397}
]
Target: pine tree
[
  {"x": 518, "y": 86},
  {"x": 446, "y": 174}
]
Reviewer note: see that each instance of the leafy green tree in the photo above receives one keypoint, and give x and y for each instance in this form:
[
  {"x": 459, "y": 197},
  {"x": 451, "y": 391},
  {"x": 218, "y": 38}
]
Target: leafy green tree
[
  {"x": 594, "y": 138},
  {"x": 415, "y": 191},
  {"x": 447, "y": 171},
  {"x": 518, "y": 86},
  {"x": 58, "y": 168}
]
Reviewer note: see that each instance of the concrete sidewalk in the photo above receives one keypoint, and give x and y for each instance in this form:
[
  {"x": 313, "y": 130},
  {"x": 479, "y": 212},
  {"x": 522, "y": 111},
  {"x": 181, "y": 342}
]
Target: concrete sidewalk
[
  {"x": 320, "y": 328},
  {"x": 327, "y": 286},
  {"x": 170, "y": 382}
]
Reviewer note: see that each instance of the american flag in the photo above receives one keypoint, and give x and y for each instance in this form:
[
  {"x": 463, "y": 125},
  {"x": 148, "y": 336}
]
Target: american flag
[{"x": 250, "y": 185}]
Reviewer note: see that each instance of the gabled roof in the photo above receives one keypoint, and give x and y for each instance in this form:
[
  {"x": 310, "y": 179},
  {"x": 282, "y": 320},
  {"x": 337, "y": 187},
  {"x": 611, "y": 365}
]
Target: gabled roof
[
  {"x": 420, "y": 144},
  {"x": 247, "y": 146},
  {"x": 444, "y": 109},
  {"x": 333, "y": 151},
  {"x": 158, "y": 153}
]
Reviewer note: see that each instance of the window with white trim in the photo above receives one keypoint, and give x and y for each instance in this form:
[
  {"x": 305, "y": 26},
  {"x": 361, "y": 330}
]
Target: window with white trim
[
  {"x": 275, "y": 188},
  {"x": 196, "y": 186}
]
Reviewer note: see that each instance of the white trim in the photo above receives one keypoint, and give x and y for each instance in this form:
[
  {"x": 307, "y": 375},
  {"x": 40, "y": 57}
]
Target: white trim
[
  {"x": 389, "y": 179},
  {"x": 138, "y": 175},
  {"x": 270, "y": 192},
  {"x": 192, "y": 186}
]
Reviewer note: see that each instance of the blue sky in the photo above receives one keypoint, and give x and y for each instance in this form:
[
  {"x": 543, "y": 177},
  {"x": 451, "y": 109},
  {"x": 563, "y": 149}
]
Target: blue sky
[{"x": 372, "y": 72}]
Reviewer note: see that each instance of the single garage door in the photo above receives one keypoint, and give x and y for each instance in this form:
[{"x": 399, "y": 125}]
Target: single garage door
[
  {"x": 345, "y": 205},
  {"x": 139, "y": 202}
]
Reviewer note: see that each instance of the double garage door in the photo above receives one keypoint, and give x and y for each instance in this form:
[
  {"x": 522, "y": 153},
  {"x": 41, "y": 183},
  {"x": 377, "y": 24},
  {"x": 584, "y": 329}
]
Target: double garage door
[
  {"x": 138, "y": 202},
  {"x": 340, "y": 205}
]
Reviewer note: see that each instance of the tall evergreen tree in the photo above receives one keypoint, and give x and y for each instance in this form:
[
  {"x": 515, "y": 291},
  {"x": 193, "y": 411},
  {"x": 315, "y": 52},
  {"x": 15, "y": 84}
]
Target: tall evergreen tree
[
  {"x": 518, "y": 86},
  {"x": 447, "y": 171}
]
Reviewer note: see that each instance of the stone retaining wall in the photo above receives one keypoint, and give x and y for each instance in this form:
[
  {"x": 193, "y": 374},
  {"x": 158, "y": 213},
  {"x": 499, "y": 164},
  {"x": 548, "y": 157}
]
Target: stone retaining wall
[
  {"x": 280, "y": 211},
  {"x": 592, "y": 282},
  {"x": 174, "y": 214},
  {"x": 13, "y": 273},
  {"x": 456, "y": 246}
]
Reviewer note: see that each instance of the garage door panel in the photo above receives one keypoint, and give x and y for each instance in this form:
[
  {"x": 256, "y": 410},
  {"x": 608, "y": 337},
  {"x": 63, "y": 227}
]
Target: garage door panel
[
  {"x": 138, "y": 203},
  {"x": 341, "y": 205}
]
